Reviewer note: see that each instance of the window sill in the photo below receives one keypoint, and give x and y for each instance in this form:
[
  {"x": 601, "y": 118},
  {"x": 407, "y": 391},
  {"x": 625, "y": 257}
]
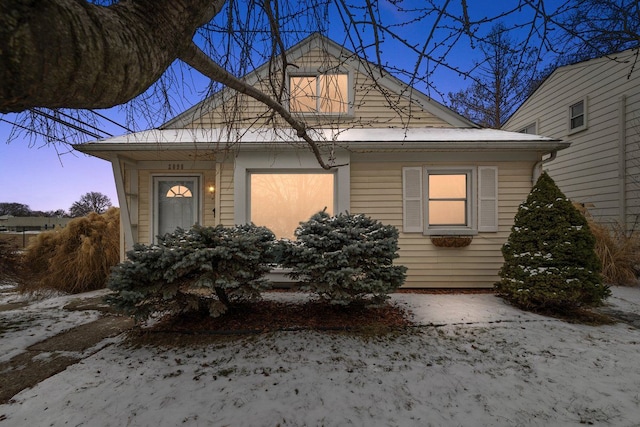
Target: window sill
[
  {"x": 577, "y": 130},
  {"x": 451, "y": 232}
]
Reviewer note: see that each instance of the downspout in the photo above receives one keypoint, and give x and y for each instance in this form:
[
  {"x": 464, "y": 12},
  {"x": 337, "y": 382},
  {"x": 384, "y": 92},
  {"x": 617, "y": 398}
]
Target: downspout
[
  {"x": 537, "y": 168},
  {"x": 622, "y": 161}
]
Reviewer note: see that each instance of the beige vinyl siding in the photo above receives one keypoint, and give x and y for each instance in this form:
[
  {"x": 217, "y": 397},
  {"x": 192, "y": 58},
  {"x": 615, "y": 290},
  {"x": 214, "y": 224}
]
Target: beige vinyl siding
[
  {"x": 376, "y": 190},
  {"x": 225, "y": 210},
  {"x": 589, "y": 170},
  {"x": 374, "y": 106}
]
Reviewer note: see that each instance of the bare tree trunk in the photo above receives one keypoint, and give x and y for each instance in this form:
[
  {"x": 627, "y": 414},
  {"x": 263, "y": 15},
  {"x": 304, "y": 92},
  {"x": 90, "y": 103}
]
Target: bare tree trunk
[{"x": 94, "y": 56}]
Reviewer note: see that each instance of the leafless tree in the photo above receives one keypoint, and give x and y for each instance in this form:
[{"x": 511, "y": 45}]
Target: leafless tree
[
  {"x": 61, "y": 58},
  {"x": 503, "y": 81},
  {"x": 90, "y": 202}
]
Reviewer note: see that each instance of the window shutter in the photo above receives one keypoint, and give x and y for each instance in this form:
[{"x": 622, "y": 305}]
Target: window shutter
[
  {"x": 487, "y": 198},
  {"x": 412, "y": 200}
]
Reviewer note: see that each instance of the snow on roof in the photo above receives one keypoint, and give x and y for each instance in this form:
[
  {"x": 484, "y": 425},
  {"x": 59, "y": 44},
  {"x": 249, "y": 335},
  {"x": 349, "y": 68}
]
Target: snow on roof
[{"x": 370, "y": 135}]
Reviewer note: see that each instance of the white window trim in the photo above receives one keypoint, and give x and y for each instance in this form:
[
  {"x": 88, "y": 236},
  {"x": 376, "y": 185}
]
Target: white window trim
[
  {"x": 478, "y": 203},
  {"x": 317, "y": 73},
  {"x": 154, "y": 207},
  {"x": 471, "y": 226},
  {"x": 585, "y": 122}
]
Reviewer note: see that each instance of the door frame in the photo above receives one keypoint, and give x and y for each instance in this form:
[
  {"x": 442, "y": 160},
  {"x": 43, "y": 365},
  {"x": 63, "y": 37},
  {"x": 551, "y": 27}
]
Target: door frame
[{"x": 154, "y": 211}]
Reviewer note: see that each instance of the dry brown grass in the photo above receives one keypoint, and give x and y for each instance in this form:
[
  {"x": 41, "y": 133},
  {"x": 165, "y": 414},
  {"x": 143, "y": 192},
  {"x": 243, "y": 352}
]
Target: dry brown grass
[
  {"x": 10, "y": 261},
  {"x": 619, "y": 253},
  {"x": 77, "y": 258}
]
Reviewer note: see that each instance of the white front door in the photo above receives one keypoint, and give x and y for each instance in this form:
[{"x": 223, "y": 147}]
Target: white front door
[{"x": 176, "y": 203}]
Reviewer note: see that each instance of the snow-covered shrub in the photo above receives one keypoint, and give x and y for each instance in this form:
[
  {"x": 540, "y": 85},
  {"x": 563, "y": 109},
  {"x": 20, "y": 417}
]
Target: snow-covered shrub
[
  {"x": 201, "y": 269},
  {"x": 550, "y": 261},
  {"x": 76, "y": 258},
  {"x": 345, "y": 258}
]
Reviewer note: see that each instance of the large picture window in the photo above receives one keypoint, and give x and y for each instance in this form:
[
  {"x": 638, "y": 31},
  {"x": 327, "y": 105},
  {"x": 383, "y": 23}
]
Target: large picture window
[
  {"x": 324, "y": 93},
  {"x": 176, "y": 201},
  {"x": 280, "y": 201}
]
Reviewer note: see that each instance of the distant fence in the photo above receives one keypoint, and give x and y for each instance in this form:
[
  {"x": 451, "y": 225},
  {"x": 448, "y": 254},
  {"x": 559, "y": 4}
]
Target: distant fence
[{"x": 21, "y": 240}]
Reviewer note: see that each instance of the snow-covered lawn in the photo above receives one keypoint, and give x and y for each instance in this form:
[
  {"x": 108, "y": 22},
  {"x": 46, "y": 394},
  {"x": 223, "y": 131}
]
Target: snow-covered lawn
[{"x": 475, "y": 361}]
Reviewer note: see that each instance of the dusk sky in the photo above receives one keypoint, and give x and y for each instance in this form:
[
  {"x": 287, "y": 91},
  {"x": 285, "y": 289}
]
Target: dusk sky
[
  {"x": 50, "y": 178},
  {"x": 40, "y": 178}
]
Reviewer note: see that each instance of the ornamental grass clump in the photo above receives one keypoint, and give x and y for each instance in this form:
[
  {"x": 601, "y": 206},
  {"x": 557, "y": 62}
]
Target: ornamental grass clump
[
  {"x": 550, "y": 261},
  {"x": 619, "y": 252},
  {"x": 204, "y": 269},
  {"x": 73, "y": 259},
  {"x": 345, "y": 258}
]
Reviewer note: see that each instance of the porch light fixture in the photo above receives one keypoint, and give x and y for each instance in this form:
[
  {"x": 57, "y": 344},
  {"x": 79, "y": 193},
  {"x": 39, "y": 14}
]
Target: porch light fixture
[{"x": 212, "y": 190}]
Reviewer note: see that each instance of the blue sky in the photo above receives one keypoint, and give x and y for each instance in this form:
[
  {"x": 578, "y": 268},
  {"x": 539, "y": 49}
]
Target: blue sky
[{"x": 51, "y": 177}]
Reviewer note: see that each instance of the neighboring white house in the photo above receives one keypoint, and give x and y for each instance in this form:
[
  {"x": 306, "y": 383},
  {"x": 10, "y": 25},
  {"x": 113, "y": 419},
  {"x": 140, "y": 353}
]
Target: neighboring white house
[
  {"x": 594, "y": 105},
  {"x": 411, "y": 163}
]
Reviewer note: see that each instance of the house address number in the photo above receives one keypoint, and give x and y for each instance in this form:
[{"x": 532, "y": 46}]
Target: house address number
[{"x": 176, "y": 166}]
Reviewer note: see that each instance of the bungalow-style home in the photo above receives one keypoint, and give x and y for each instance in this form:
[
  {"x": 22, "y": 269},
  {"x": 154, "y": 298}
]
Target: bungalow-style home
[
  {"x": 595, "y": 105},
  {"x": 451, "y": 188}
]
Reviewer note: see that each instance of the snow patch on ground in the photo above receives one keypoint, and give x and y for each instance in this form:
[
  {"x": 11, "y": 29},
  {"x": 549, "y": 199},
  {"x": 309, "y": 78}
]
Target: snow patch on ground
[{"x": 474, "y": 361}]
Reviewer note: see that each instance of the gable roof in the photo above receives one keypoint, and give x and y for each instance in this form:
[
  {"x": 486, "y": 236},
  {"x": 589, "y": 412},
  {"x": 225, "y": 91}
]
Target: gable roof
[{"x": 348, "y": 58}]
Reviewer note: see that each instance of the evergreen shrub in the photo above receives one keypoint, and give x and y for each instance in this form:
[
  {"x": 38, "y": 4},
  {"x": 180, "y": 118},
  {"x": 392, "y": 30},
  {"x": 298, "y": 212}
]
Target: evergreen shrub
[
  {"x": 202, "y": 269},
  {"x": 550, "y": 261},
  {"x": 73, "y": 259},
  {"x": 345, "y": 258}
]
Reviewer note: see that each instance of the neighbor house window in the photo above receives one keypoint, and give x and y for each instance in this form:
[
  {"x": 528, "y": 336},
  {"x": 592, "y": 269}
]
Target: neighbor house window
[
  {"x": 176, "y": 203},
  {"x": 578, "y": 116},
  {"x": 323, "y": 93},
  {"x": 280, "y": 201},
  {"x": 449, "y": 200},
  {"x": 530, "y": 129}
]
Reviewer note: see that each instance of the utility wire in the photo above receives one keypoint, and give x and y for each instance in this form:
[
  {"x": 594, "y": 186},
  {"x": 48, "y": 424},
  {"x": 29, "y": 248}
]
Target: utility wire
[
  {"x": 32, "y": 130},
  {"x": 112, "y": 121},
  {"x": 71, "y": 125},
  {"x": 83, "y": 122}
]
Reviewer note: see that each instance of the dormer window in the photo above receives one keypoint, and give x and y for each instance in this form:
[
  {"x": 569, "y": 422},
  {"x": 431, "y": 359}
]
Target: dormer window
[{"x": 320, "y": 93}]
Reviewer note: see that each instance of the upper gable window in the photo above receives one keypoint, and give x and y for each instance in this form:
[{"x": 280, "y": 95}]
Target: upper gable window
[
  {"x": 578, "y": 116},
  {"x": 322, "y": 93}
]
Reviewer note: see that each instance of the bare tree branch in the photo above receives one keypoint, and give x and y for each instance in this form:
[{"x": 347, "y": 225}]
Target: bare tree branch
[{"x": 195, "y": 57}]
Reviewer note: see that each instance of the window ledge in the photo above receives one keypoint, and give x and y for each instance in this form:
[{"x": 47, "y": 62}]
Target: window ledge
[
  {"x": 576, "y": 130},
  {"x": 451, "y": 232}
]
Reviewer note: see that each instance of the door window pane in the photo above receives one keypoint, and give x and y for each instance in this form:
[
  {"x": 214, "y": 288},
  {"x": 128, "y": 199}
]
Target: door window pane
[{"x": 280, "y": 201}]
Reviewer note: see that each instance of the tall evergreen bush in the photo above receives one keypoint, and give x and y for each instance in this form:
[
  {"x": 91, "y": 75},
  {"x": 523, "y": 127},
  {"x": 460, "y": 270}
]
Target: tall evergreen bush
[{"x": 550, "y": 261}]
